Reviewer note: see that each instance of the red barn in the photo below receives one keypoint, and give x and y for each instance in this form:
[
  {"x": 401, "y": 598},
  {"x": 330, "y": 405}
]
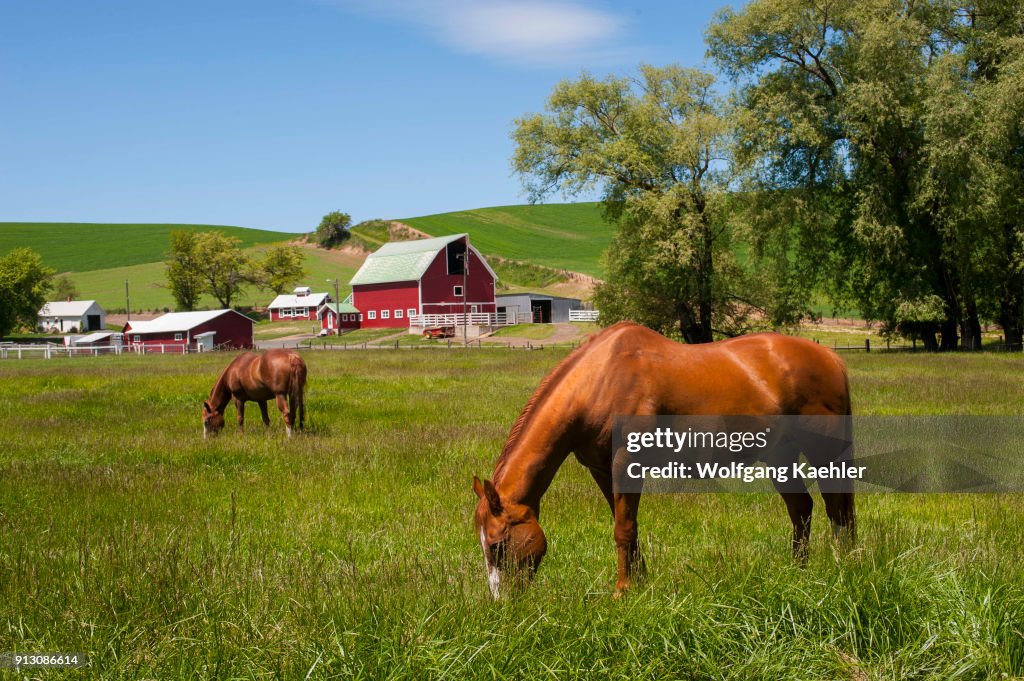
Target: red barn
[
  {"x": 192, "y": 330},
  {"x": 423, "y": 277},
  {"x": 330, "y": 312}
]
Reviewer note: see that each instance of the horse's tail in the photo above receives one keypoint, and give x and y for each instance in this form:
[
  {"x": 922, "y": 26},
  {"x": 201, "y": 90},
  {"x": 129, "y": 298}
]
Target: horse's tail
[{"x": 296, "y": 389}]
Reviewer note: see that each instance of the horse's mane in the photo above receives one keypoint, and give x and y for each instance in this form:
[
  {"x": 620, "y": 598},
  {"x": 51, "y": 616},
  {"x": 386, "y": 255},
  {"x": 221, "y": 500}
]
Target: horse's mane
[
  {"x": 220, "y": 378},
  {"x": 548, "y": 382}
]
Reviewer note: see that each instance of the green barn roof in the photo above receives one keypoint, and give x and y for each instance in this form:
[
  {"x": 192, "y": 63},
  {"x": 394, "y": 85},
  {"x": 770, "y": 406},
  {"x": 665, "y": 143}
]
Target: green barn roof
[
  {"x": 402, "y": 260},
  {"x": 343, "y": 308}
]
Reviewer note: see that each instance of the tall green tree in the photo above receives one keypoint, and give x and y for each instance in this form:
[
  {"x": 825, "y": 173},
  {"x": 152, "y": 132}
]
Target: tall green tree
[
  {"x": 224, "y": 269},
  {"x": 64, "y": 288},
  {"x": 992, "y": 33},
  {"x": 24, "y": 283},
  {"x": 657, "y": 147},
  {"x": 333, "y": 229},
  {"x": 280, "y": 268},
  {"x": 182, "y": 268},
  {"x": 866, "y": 112}
]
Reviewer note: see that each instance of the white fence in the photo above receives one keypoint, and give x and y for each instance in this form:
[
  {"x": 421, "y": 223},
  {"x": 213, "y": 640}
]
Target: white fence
[
  {"x": 49, "y": 351},
  {"x": 426, "y": 321},
  {"x": 583, "y": 315}
]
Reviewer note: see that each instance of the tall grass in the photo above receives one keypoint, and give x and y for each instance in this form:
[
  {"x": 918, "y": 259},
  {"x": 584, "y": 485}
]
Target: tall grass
[{"x": 349, "y": 550}]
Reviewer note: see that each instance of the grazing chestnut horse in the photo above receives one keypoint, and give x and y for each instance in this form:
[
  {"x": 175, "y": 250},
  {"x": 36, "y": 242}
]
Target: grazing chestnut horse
[
  {"x": 629, "y": 370},
  {"x": 276, "y": 374}
]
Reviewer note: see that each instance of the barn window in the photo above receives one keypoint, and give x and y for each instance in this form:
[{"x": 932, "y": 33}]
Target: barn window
[
  {"x": 457, "y": 291},
  {"x": 138, "y": 339},
  {"x": 411, "y": 311},
  {"x": 344, "y": 317},
  {"x": 372, "y": 314},
  {"x": 385, "y": 314},
  {"x": 456, "y": 250},
  {"x": 398, "y": 313},
  {"x": 177, "y": 336}
]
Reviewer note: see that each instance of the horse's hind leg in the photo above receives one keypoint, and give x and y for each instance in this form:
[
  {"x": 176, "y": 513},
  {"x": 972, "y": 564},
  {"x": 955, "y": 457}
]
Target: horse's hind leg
[
  {"x": 840, "y": 509},
  {"x": 282, "y": 404},
  {"x": 799, "y": 505},
  {"x": 263, "y": 412}
]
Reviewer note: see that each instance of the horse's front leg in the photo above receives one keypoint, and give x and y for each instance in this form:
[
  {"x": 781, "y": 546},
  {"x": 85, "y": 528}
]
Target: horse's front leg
[
  {"x": 631, "y": 563},
  {"x": 263, "y": 412},
  {"x": 240, "y": 409},
  {"x": 282, "y": 404}
]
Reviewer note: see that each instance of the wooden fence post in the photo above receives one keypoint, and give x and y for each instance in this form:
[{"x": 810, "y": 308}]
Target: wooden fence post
[{"x": 867, "y": 345}]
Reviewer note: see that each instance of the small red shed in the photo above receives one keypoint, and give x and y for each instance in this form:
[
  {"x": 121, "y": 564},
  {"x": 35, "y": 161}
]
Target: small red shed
[
  {"x": 229, "y": 328},
  {"x": 422, "y": 277},
  {"x": 329, "y": 314}
]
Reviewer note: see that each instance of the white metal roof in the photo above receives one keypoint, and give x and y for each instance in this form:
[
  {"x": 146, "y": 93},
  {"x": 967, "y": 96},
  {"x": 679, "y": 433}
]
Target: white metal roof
[
  {"x": 178, "y": 321},
  {"x": 93, "y": 337},
  {"x": 289, "y": 300},
  {"x": 67, "y": 308}
]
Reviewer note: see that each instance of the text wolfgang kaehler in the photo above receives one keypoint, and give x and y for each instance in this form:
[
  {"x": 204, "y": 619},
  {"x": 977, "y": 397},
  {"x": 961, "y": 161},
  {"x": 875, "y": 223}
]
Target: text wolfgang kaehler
[{"x": 733, "y": 442}]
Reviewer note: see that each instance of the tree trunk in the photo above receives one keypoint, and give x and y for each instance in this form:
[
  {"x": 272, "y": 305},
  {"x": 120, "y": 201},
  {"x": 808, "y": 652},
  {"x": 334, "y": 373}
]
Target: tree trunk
[
  {"x": 705, "y": 275},
  {"x": 1011, "y": 310},
  {"x": 689, "y": 328},
  {"x": 947, "y": 330},
  {"x": 970, "y": 326}
]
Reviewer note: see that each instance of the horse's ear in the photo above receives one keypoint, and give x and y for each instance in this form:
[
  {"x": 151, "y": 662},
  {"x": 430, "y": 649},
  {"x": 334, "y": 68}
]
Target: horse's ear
[
  {"x": 486, "y": 490},
  {"x": 493, "y": 500},
  {"x": 206, "y": 407}
]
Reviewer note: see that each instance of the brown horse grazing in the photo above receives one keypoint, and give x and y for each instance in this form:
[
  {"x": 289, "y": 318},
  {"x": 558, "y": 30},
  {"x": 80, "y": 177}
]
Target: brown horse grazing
[
  {"x": 630, "y": 370},
  {"x": 276, "y": 374}
]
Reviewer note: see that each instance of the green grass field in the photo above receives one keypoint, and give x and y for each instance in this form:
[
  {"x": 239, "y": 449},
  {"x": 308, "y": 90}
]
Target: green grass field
[
  {"x": 349, "y": 552},
  {"x": 83, "y": 247},
  {"x": 568, "y": 236}
]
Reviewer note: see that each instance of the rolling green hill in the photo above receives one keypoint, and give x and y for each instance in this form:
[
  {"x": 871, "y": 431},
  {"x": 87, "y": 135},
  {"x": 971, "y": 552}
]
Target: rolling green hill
[
  {"x": 568, "y": 236},
  {"x": 100, "y": 257},
  {"x": 83, "y": 247},
  {"x": 148, "y": 290}
]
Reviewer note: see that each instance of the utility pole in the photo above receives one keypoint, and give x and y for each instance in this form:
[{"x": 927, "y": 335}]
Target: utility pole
[
  {"x": 127, "y": 301},
  {"x": 337, "y": 309},
  {"x": 465, "y": 293}
]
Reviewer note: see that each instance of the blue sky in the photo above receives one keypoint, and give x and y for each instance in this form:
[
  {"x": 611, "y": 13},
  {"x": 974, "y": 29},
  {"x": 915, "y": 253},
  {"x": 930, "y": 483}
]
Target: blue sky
[{"x": 270, "y": 113}]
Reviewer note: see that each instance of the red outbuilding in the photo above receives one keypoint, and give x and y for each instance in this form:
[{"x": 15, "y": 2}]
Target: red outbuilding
[
  {"x": 192, "y": 331},
  {"x": 343, "y": 317},
  {"x": 422, "y": 277}
]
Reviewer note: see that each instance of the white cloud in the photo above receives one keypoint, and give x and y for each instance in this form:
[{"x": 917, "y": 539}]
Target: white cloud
[{"x": 533, "y": 32}]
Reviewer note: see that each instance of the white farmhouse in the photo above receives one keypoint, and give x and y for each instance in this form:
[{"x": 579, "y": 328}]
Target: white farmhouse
[
  {"x": 77, "y": 316},
  {"x": 302, "y": 303}
]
